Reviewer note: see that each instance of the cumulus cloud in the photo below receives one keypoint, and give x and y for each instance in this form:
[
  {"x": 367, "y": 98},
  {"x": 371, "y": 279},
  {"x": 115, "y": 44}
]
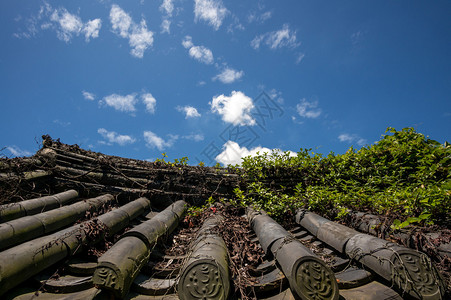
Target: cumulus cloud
[
  {"x": 69, "y": 24},
  {"x": 150, "y": 102},
  {"x": 139, "y": 38},
  {"x": 167, "y": 7},
  {"x": 120, "y": 21},
  {"x": 88, "y": 95},
  {"x": 235, "y": 109},
  {"x": 352, "y": 138},
  {"x": 113, "y": 137},
  {"x": 229, "y": 75},
  {"x": 232, "y": 153},
  {"x": 65, "y": 24},
  {"x": 91, "y": 29},
  {"x": 284, "y": 37},
  {"x": 121, "y": 103},
  {"x": 190, "y": 112},
  {"x": 200, "y": 53},
  {"x": 211, "y": 11},
  {"x": 16, "y": 151},
  {"x": 308, "y": 109},
  {"x": 126, "y": 103},
  {"x": 154, "y": 141},
  {"x": 187, "y": 42}
]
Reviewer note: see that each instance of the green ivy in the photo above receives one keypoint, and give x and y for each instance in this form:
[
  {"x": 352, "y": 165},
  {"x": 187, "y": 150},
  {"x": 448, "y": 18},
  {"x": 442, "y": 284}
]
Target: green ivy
[
  {"x": 405, "y": 174},
  {"x": 275, "y": 203}
]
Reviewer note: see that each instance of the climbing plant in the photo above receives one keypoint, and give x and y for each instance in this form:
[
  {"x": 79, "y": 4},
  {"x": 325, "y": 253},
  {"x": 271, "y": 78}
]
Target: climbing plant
[{"x": 405, "y": 174}]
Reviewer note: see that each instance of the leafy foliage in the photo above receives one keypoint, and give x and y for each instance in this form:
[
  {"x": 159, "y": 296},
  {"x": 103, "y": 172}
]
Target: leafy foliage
[
  {"x": 177, "y": 161},
  {"x": 405, "y": 174}
]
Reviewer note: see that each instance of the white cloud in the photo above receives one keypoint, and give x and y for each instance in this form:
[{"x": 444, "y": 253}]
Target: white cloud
[
  {"x": 139, "y": 38},
  {"x": 126, "y": 103},
  {"x": 194, "y": 137},
  {"x": 167, "y": 6},
  {"x": 211, "y": 11},
  {"x": 190, "y": 112},
  {"x": 88, "y": 95},
  {"x": 356, "y": 37},
  {"x": 65, "y": 24},
  {"x": 199, "y": 53},
  {"x": 236, "y": 24},
  {"x": 308, "y": 109},
  {"x": 265, "y": 16},
  {"x": 113, "y": 137},
  {"x": 282, "y": 38},
  {"x": 255, "y": 43},
  {"x": 351, "y": 138},
  {"x": 69, "y": 24},
  {"x": 187, "y": 42},
  {"x": 16, "y": 151},
  {"x": 121, "y": 103},
  {"x": 165, "y": 26},
  {"x": 300, "y": 57},
  {"x": 277, "y": 39},
  {"x": 31, "y": 24},
  {"x": 259, "y": 18},
  {"x": 150, "y": 102},
  {"x": 120, "y": 21},
  {"x": 276, "y": 96},
  {"x": 35, "y": 22},
  {"x": 345, "y": 137},
  {"x": 232, "y": 153},
  {"x": 361, "y": 142},
  {"x": 234, "y": 109},
  {"x": 61, "y": 123},
  {"x": 91, "y": 29},
  {"x": 229, "y": 75},
  {"x": 154, "y": 141}
]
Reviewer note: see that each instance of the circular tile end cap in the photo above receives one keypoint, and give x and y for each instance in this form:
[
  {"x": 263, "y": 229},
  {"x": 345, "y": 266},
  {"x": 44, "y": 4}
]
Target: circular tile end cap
[
  {"x": 203, "y": 279},
  {"x": 313, "y": 279},
  {"x": 414, "y": 273}
]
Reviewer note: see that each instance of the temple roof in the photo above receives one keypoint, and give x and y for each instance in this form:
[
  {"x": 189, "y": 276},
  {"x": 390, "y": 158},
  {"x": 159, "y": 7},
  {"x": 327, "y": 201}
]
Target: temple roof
[{"x": 76, "y": 224}]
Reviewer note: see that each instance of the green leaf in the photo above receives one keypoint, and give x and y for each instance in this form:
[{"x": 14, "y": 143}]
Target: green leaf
[{"x": 424, "y": 216}]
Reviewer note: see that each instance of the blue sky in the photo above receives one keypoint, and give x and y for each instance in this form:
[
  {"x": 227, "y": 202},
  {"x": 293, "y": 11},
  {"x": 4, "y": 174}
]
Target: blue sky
[{"x": 217, "y": 80}]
